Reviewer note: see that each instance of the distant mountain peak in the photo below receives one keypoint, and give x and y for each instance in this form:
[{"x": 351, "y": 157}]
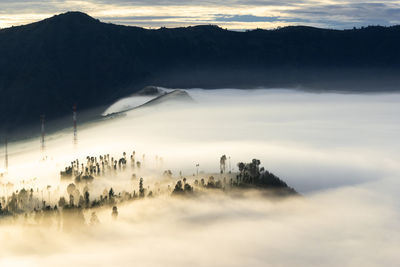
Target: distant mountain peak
[{"x": 73, "y": 16}]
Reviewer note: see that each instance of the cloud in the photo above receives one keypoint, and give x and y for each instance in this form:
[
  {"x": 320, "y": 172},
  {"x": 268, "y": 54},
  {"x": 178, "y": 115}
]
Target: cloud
[
  {"x": 243, "y": 18},
  {"x": 233, "y": 14},
  {"x": 339, "y": 150},
  {"x": 348, "y": 15},
  {"x": 343, "y": 227}
]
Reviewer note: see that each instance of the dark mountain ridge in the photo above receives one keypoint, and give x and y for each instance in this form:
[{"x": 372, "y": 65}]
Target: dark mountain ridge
[{"x": 72, "y": 58}]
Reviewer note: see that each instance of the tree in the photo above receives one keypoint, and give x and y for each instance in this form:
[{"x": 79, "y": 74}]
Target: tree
[
  {"x": 22, "y": 198},
  {"x": 178, "y": 188},
  {"x": 141, "y": 188},
  {"x": 87, "y": 201},
  {"x": 211, "y": 182},
  {"x": 111, "y": 193},
  {"x": 254, "y": 170},
  {"x": 81, "y": 202},
  {"x": 61, "y": 202},
  {"x": 222, "y": 163},
  {"x": 241, "y": 167},
  {"x": 114, "y": 212},
  {"x": 71, "y": 200},
  {"x": 187, "y": 188},
  {"x": 71, "y": 188}
]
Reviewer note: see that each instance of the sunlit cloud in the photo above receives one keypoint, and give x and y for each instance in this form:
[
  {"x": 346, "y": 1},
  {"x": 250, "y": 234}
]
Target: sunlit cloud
[{"x": 231, "y": 14}]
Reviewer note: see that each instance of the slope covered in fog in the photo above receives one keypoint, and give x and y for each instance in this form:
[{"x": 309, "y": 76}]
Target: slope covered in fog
[
  {"x": 141, "y": 100},
  {"x": 48, "y": 66}
]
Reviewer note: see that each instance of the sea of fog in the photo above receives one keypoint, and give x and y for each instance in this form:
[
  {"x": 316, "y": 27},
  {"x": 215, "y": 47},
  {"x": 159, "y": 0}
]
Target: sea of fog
[{"x": 340, "y": 151}]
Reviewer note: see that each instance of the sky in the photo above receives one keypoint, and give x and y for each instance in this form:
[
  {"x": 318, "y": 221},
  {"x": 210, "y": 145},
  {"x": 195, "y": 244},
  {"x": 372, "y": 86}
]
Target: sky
[{"x": 230, "y": 14}]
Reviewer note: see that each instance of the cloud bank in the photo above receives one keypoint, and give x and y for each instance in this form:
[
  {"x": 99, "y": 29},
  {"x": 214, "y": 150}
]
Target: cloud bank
[{"x": 339, "y": 150}]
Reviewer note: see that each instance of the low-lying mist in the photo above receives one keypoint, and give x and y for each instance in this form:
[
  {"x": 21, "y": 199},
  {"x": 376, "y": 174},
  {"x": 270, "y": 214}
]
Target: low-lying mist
[{"x": 340, "y": 151}]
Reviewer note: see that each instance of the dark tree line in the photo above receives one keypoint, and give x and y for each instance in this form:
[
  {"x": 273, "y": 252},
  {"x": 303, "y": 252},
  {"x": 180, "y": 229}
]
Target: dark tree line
[
  {"x": 252, "y": 175},
  {"x": 69, "y": 212}
]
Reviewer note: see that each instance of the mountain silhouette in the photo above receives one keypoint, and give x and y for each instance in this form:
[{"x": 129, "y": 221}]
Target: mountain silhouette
[{"x": 48, "y": 66}]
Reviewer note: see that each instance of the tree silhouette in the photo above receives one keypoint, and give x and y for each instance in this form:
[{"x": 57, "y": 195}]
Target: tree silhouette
[
  {"x": 222, "y": 162},
  {"x": 61, "y": 202},
  {"x": 141, "y": 188},
  {"x": 114, "y": 212},
  {"x": 71, "y": 200},
  {"x": 81, "y": 202},
  {"x": 241, "y": 167},
  {"x": 188, "y": 188},
  {"x": 178, "y": 190},
  {"x": 71, "y": 188},
  {"x": 211, "y": 182},
  {"x": 111, "y": 193},
  {"x": 87, "y": 200}
]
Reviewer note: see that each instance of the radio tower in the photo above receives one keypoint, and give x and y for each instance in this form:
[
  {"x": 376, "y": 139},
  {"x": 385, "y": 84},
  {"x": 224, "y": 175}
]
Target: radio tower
[
  {"x": 42, "y": 132},
  {"x": 74, "y": 119}
]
